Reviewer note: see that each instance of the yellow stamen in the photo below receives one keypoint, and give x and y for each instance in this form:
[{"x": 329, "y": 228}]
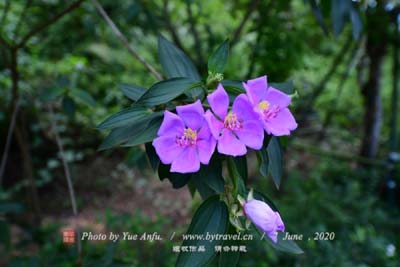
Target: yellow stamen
[
  {"x": 190, "y": 134},
  {"x": 263, "y": 105}
]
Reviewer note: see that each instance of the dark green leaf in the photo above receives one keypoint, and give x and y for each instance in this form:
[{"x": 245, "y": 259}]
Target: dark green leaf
[
  {"x": 275, "y": 161},
  {"x": 356, "y": 22},
  {"x": 212, "y": 218},
  {"x": 142, "y": 131},
  {"x": 241, "y": 166},
  {"x": 218, "y": 60},
  {"x": 318, "y": 15},
  {"x": 262, "y": 157},
  {"x": 339, "y": 14},
  {"x": 152, "y": 156},
  {"x": 165, "y": 91},
  {"x": 133, "y": 92},
  {"x": 51, "y": 94},
  {"x": 83, "y": 96},
  {"x": 286, "y": 87},
  {"x": 237, "y": 180},
  {"x": 68, "y": 106},
  {"x": 232, "y": 86},
  {"x": 147, "y": 135},
  {"x": 124, "y": 118},
  {"x": 9, "y": 207},
  {"x": 174, "y": 62},
  {"x": 177, "y": 180},
  {"x": 208, "y": 181},
  {"x": 230, "y": 258}
]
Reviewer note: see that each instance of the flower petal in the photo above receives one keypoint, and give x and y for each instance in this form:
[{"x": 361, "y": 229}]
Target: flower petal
[
  {"x": 282, "y": 124},
  {"x": 172, "y": 125},
  {"x": 252, "y": 134},
  {"x": 187, "y": 161},
  {"x": 243, "y": 108},
  {"x": 228, "y": 144},
  {"x": 261, "y": 215},
  {"x": 167, "y": 149},
  {"x": 276, "y": 97},
  {"x": 256, "y": 89},
  {"x": 219, "y": 101},
  {"x": 205, "y": 144},
  {"x": 192, "y": 114},
  {"x": 215, "y": 125}
]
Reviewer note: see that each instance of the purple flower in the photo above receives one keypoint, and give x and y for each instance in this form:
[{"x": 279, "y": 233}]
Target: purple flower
[
  {"x": 185, "y": 140},
  {"x": 271, "y": 105},
  {"x": 262, "y": 216},
  {"x": 233, "y": 129}
]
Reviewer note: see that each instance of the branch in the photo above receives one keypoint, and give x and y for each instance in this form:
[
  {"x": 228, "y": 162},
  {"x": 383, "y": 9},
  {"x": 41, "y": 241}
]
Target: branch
[
  {"x": 8, "y": 140},
  {"x": 67, "y": 175},
  {"x": 252, "y": 7},
  {"x": 335, "y": 63},
  {"x": 47, "y": 23},
  {"x": 125, "y": 41}
]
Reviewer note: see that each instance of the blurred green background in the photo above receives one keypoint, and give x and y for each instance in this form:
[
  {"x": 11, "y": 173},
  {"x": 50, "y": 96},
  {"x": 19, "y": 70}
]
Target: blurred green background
[{"x": 61, "y": 66}]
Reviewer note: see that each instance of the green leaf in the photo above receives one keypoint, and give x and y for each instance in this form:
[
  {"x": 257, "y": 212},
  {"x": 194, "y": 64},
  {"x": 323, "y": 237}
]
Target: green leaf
[
  {"x": 68, "y": 106},
  {"x": 218, "y": 59},
  {"x": 124, "y": 118},
  {"x": 233, "y": 87},
  {"x": 83, "y": 96},
  {"x": 230, "y": 258},
  {"x": 174, "y": 62},
  {"x": 262, "y": 157},
  {"x": 209, "y": 181},
  {"x": 142, "y": 130},
  {"x": 275, "y": 160},
  {"x": 177, "y": 180},
  {"x": 11, "y": 207},
  {"x": 152, "y": 156},
  {"x": 237, "y": 180},
  {"x": 340, "y": 10},
  {"x": 282, "y": 245},
  {"x": 212, "y": 218},
  {"x": 147, "y": 135},
  {"x": 356, "y": 23},
  {"x": 241, "y": 165},
  {"x": 286, "y": 87},
  {"x": 133, "y": 92},
  {"x": 51, "y": 94},
  {"x": 165, "y": 91}
]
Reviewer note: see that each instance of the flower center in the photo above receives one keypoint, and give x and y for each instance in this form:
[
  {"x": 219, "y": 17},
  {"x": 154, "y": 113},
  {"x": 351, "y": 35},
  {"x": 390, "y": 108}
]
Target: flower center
[
  {"x": 263, "y": 105},
  {"x": 269, "y": 111},
  {"x": 232, "y": 122},
  {"x": 189, "y": 138}
]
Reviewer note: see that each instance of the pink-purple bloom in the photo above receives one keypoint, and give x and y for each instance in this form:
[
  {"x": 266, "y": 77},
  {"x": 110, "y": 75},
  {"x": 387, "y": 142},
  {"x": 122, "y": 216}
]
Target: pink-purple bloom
[
  {"x": 185, "y": 140},
  {"x": 264, "y": 218},
  {"x": 271, "y": 105},
  {"x": 234, "y": 129}
]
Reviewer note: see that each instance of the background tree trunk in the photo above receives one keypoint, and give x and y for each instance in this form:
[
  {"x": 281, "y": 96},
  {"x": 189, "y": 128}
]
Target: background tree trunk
[{"x": 377, "y": 24}]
